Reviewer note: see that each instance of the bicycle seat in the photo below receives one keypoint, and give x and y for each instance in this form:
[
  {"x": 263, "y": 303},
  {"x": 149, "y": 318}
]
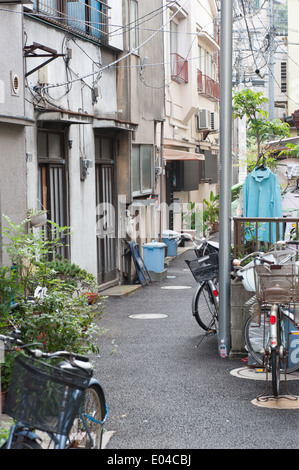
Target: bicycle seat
[{"x": 77, "y": 367}]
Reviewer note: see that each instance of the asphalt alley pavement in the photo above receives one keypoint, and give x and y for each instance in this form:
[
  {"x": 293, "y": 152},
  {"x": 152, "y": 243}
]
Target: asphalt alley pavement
[{"x": 165, "y": 393}]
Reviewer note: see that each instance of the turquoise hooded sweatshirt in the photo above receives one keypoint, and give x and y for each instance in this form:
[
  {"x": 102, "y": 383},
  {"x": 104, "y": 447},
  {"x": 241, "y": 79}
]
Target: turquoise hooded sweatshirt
[{"x": 262, "y": 198}]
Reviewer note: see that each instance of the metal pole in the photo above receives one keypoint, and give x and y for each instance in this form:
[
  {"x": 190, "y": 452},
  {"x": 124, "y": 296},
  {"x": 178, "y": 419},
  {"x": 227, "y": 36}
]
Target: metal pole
[
  {"x": 225, "y": 176},
  {"x": 271, "y": 62}
]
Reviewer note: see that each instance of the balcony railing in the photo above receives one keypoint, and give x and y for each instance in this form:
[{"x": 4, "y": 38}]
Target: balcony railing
[
  {"x": 249, "y": 230},
  {"x": 89, "y": 18},
  {"x": 179, "y": 68},
  {"x": 207, "y": 86}
]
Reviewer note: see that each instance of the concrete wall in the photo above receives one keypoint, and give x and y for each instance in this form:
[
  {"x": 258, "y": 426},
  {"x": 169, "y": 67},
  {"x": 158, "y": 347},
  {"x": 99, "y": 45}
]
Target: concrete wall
[
  {"x": 77, "y": 79},
  {"x": 12, "y": 119}
]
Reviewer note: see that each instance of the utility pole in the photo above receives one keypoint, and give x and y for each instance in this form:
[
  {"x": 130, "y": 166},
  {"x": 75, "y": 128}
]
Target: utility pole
[
  {"x": 225, "y": 176},
  {"x": 271, "y": 61}
]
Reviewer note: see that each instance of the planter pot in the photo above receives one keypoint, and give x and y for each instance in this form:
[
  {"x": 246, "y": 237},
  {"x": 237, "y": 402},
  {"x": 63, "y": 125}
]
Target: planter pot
[
  {"x": 92, "y": 297},
  {"x": 38, "y": 220}
]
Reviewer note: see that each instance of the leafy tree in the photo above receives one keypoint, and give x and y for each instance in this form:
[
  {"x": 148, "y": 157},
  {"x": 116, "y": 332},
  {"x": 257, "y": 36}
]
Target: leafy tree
[{"x": 250, "y": 103}]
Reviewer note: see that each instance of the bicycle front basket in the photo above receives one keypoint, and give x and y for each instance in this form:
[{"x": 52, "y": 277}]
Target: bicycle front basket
[
  {"x": 206, "y": 268},
  {"x": 43, "y": 396},
  {"x": 276, "y": 283}
]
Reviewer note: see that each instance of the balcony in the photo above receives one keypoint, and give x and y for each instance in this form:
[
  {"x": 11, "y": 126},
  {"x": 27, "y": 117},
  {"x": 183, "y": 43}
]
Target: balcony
[
  {"x": 206, "y": 86},
  {"x": 179, "y": 68},
  {"x": 88, "y": 18},
  {"x": 248, "y": 230}
]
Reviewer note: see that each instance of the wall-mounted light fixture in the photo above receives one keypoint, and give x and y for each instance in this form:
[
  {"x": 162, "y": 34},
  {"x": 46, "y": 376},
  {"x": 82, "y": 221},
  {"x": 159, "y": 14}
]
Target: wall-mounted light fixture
[
  {"x": 85, "y": 164},
  {"x": 70, "y": 144}
]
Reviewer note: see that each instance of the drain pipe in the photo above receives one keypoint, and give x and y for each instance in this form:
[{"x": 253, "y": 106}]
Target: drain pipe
[{"x": 224, "y": 340}]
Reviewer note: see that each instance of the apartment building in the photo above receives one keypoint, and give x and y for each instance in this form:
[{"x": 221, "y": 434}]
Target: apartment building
[
  {"x": 192, "y": 90},
  {"x": 108, "y": 110}
]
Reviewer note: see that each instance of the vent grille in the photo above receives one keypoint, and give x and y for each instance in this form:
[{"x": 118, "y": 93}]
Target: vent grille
[{"x": 15, "y": 83}]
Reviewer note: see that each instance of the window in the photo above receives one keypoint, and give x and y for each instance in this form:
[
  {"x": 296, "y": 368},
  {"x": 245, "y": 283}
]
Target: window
[
  {"x": 88, "y": 17},
  {"x": 207, "y": 74},
  {"x": 179, "y": 66},
  {"x": 201, "y": 59},
  {"x": 133, "y": 24},
  {"x": 142, "y": 169},
  {"x": 173, "y": 38},
  {"x": 283, "y": 75}
]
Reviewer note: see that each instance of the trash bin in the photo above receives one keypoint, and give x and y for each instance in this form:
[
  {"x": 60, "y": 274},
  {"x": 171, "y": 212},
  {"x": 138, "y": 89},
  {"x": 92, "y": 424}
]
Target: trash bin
[
  {"x": 171, "y": 239},
  {"x": 153, "y": 256}
]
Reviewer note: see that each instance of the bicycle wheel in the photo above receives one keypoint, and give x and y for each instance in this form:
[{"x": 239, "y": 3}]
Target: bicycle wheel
[
  {"x": 93, "y": 411},
  {"x": 23, "y": 443},
  {"x": 206, "y": 308},
  {"x": 256, "y": 335}
]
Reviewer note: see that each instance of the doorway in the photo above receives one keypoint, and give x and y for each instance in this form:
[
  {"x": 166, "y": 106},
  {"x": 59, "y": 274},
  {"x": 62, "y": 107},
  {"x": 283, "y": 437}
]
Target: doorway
[{"x": 106, "y": 219}]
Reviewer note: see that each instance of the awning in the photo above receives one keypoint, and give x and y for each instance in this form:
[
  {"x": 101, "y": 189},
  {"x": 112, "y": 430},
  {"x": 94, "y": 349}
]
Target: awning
[
  {"x": 104, "y": 123},
  {"x": 175, "y": 155},
  {"x": 17, "y": 120},
  {"x": 69, "y": 117},
  {"x": 72, "y": 117}
]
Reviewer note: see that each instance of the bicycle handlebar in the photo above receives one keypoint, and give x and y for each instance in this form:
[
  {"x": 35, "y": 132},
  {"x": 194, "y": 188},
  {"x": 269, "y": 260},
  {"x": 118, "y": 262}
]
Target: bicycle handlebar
[{"x": 38, "y": 353}]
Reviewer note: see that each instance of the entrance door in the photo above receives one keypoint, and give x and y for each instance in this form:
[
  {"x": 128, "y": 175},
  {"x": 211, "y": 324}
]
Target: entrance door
[
  {"x": 106, "y": 215},
  {"x": 52, "y": 181}
]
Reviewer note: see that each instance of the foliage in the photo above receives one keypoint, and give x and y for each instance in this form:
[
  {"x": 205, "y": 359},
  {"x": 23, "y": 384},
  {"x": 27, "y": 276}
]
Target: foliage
[
  {"x": 6, "y": 368},
  {"x": 291, "y": 150},
  {"x": 251, "y": 104},
  {"x": 60, "y": 318},
  {"x": 4, "y": 433},
  {"x": 30, "y": 250},
  {"x": 72, "y": 274},
  {"x": 60, "y": 321},
  {"x": 211, "y": 211},
  {"x": 192, "y": 219},
  {"x": 9, "y": 289},
  {"x": 269, "y": 160}
]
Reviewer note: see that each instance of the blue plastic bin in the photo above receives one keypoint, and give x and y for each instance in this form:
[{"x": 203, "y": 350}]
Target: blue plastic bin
[
  {"x": 153, "y": 256},
  {"x": 171, "y": 239}
]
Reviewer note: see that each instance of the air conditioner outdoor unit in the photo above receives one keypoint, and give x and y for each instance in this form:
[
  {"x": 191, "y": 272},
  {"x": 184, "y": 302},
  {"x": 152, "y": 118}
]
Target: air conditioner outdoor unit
[
  {"x": 203, "y": 119},
  {"x": 207, "y": 120},
  {"x": 215, "y": 121}
]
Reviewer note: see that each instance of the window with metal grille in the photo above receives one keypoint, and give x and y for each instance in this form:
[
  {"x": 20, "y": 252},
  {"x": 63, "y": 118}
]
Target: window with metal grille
[
  {"x": 142, "y": 169},
  {"x": 283, "y": 77},
  {"x": 87, "y": 17},
  {"x": 52, "y": 180}
]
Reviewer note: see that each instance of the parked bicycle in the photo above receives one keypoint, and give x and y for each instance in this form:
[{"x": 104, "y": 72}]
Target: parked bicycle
[
  {"x": 54, "y": 393},
  {"x": 205, "y": 301},
  {"x": 271, "y": 331}
]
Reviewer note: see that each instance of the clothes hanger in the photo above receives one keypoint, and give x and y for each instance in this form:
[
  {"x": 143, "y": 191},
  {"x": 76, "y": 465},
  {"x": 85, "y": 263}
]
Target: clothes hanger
[{"x": 262, "y": 166}]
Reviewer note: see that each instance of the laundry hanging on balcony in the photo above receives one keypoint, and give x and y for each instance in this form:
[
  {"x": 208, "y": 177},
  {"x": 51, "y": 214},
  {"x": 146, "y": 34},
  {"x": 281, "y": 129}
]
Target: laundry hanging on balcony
[{"x": 262, "y": 198}]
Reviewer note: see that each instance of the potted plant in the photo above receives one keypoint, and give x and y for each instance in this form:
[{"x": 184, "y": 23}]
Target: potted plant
[
  {"x": 211, "y": 212},
  {"x": 37, "y": 218}
]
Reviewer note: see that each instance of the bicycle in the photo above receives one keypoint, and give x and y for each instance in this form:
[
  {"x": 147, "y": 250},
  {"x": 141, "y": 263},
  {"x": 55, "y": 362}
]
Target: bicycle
[
  {"x": 205, "y": 301},
  {"x": 271, "y": 331},
  {"x": 55, "y": 393}
]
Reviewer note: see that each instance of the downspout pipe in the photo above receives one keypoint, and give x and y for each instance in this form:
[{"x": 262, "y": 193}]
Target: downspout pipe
[{"x": 224, "y": 338}]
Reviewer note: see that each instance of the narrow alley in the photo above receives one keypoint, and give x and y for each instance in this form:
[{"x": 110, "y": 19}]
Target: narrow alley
[{"x": 165, "y": 393}]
